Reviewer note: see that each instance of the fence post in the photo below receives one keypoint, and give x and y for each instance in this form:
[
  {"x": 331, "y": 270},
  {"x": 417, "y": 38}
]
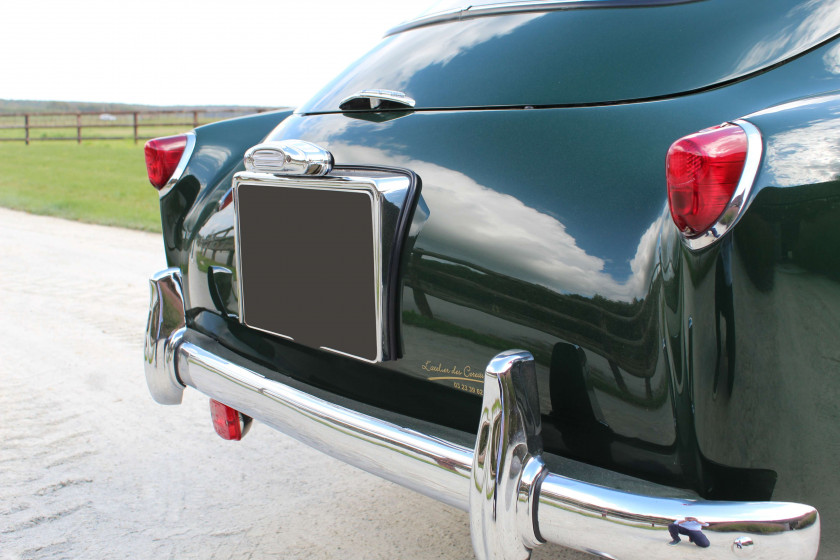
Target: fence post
[
  {"x": 26, "y": 127},
  {"x": 78, "y": 128},
  {"x": 195, "y": 119},
  {"x": 135, "y": 127}
]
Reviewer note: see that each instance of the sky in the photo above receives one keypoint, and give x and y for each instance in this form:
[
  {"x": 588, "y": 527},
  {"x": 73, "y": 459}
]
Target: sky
[{"x": 187, "y": 52}]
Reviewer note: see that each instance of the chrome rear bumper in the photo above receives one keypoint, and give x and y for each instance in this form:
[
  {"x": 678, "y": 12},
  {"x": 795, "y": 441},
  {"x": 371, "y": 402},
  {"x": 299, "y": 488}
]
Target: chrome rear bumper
[{"x": 514, "y": 502}]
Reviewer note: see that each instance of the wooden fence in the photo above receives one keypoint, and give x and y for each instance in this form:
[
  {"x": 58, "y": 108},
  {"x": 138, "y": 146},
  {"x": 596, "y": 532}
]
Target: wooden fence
[{"x": 119, "y": 125}]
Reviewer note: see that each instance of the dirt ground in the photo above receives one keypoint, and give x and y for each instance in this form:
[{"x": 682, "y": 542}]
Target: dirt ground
[{"x": 91, "y": 467}]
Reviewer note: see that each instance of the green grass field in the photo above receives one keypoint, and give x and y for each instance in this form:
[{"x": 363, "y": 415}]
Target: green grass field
[{"x": 101, "y": 182}]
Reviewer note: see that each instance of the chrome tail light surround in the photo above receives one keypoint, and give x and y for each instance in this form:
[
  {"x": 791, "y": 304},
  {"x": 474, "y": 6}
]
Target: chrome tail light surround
[
  {"x": 181, "y": 167},
  {"x": 740, "y": 198}
]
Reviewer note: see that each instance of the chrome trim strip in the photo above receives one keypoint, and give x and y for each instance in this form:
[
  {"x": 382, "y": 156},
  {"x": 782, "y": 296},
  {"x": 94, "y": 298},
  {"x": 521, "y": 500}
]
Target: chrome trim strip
[
  {"x": 629, "y": 526},
  {"x": 182, "y": 165},
  {"x": 504, "y": 8},
  {"x": 373, "y": 99},
  {"x": 165, "y": 327},
  {"x": 428, "y": 465},
  {"x": 536, "y": 506},
  {"x": 740, "y": 198}
]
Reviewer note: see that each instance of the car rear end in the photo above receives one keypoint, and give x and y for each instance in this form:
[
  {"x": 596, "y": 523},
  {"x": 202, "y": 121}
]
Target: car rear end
[{"x": 493, "y": 179}]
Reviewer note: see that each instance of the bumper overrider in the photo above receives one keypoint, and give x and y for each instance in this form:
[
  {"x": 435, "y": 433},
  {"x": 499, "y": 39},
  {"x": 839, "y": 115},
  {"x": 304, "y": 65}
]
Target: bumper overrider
[{"x": 514, "y": 502}]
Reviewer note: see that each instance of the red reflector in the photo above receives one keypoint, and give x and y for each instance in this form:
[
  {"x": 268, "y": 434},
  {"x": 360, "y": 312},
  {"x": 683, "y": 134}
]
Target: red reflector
[
  {"x": 226, "y": 200},
  {"x": 226, "y": 421},
  {"x": 162, "y": 157},
  {"x": 703, "y": 170}
]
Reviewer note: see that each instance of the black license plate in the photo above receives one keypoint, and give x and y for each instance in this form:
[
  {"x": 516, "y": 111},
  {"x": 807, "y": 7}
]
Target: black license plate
[{"x": 309, "y": 262}]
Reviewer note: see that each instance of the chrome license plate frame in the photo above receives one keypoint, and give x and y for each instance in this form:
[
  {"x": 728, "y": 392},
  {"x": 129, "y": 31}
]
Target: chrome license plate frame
[{"x": 272, "y": 269}]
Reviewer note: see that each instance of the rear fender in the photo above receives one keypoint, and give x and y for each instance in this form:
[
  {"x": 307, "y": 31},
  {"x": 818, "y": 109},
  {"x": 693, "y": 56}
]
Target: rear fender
[
  {"x": 218, "y": 153},
  {"x": 762, "y": 309}
]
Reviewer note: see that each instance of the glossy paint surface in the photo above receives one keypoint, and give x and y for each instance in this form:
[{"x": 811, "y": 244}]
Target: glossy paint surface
[
  {"x": 766, "y": 305},
  {"x": 548, "y": 230},
  {"x": 585, "y": 56},
  {"x": 218, "y": 155},
  {"x": 542, "y": 239}
]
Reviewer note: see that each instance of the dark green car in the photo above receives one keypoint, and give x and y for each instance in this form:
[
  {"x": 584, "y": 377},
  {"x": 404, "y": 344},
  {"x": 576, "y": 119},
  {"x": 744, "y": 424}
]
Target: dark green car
[{"x": 572, "y": 266}]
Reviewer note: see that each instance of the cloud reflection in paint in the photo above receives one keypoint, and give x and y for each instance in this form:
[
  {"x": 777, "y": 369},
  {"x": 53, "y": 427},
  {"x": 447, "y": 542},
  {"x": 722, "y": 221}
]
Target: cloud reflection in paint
[
  {"x": 820, "y": 22},
  {"x": 496, "y": 231},
  {"x": 807, "y": 154},
  {"x": 399, "y": 59}
]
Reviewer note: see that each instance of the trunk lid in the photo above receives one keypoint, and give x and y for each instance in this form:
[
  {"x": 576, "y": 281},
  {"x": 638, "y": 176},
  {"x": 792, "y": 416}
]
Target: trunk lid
[{"x": 579, "y": 55}]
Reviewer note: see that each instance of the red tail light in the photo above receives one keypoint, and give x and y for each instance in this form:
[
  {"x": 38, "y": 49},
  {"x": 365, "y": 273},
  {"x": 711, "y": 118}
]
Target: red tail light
[
  {"x": 227, "y": 422},
  {"x": 162, "y": 158},
  {"x": 703, "y": 170}
]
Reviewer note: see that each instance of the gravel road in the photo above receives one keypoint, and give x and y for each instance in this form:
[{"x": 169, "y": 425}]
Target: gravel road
[{"x": 91, "y": 467}]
